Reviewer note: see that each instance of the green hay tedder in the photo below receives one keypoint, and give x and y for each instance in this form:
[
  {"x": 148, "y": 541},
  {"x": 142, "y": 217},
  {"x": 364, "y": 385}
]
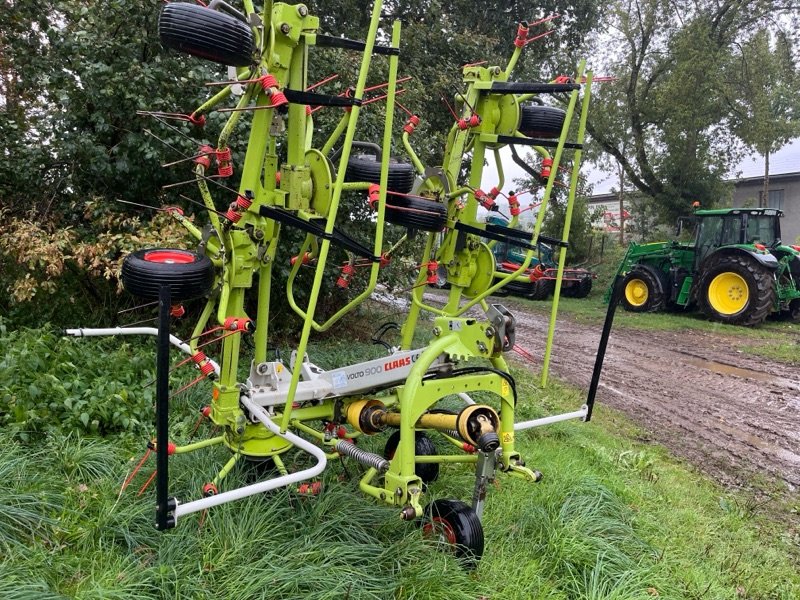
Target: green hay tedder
[{"x": 291, "y": 178}]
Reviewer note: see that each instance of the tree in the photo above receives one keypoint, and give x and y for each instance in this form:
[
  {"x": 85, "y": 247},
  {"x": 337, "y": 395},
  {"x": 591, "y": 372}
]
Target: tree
[
  {"x": 765, "y": 97},
  {"x": 665, "y": 119}
]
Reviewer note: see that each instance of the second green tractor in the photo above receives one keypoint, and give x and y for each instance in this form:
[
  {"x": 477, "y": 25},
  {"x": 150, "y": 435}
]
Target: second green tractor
[{"x": 735, "y": 269}]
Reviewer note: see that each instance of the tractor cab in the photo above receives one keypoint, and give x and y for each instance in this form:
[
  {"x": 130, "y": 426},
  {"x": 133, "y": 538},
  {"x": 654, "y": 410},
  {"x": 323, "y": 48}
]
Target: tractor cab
[{"x": 754, "y": 227}]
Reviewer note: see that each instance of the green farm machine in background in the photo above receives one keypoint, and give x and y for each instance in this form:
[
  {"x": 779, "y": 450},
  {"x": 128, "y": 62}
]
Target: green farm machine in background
[
  {"x": 539, "y": 281},
  {"x": 292, "y": 179},
  {"x": 735, "y": 269}
]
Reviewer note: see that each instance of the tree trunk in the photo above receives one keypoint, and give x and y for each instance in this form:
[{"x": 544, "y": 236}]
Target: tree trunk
[
  {"x": 765, "y": 191},
  {"x": 621, "y": 206}
]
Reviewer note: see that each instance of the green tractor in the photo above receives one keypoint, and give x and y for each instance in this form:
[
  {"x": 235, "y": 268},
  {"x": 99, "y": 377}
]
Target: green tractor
[
  {"x": 736, "y": 270},
  {"x": 539, "y": 281}
]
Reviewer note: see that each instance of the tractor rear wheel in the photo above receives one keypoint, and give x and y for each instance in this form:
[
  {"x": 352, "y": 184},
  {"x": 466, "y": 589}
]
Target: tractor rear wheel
[
  {"x": 642, "y": 290},
  {"x": 737, "y": 290},
  {"x": 455, "y": 524}
]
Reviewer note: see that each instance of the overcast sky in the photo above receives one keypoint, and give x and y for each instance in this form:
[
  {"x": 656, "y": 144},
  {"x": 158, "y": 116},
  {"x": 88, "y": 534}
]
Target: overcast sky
[{"x": 786, "y": 160}]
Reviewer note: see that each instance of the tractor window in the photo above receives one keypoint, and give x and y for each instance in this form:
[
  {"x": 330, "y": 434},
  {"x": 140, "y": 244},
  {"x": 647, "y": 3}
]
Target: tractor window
[
  {"x": 716, "y": 231},
  {"x": 731, "y": 230},
  {"x": 760, "y": 228}
]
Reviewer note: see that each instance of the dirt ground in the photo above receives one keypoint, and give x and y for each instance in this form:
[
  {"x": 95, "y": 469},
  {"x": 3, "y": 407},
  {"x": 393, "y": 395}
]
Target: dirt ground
[{"x": 732, "y": 415}]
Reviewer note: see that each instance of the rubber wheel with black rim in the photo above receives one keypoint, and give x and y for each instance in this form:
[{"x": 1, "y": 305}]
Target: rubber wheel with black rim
[
  {"x": 366, "y": 167},
  {"x": 206, "y": 33},
  {"x": 456, "y": 525},
  {"x": 189, "y": 275},
  {"x": 735, "y": 289},
  {"x": 541, "y": 121},
  {"x": 542, "y": 288},
  {"x": 642, "y": 290},
  {"x": 416, "y": 213},
  {"x": 423, "y": 446}
]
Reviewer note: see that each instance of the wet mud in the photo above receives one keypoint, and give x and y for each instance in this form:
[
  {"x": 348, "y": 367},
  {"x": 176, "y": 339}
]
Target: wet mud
[{"x": 732, "y": 415}]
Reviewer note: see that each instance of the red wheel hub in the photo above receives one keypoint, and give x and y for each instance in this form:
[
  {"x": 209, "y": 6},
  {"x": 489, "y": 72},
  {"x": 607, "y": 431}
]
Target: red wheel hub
[
  {"x": 169, "y": 257},
  {"x": 441, "y": 528}
]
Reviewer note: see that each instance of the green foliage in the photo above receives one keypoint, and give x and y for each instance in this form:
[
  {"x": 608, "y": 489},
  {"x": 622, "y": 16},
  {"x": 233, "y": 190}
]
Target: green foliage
[
  {"x": 612, "y": 519},
  {"x": 667, "y": 119},
  {"x": 765, "y": 109},
  {"x": 51, "y": 384},
  {"x": 77, "y": 265}
]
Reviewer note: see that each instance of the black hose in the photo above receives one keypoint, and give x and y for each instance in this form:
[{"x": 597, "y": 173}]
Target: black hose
[{"x": 471, "y": 370}]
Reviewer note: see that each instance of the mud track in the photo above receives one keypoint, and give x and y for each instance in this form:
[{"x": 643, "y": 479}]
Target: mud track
[{"x": 731, "y": 415}]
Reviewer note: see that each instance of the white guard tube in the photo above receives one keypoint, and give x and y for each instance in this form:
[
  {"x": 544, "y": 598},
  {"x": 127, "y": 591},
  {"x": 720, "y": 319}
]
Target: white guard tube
[
  {"x": 262, "y": 486},
  {"x": 134, "y": 331}
]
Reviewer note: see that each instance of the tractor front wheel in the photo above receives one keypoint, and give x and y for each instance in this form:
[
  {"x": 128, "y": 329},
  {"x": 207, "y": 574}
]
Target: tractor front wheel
[
  {"x": 642, "y": 291},
  {"x": 457, "y": 526},
  {"x": 736, "y": 290}
]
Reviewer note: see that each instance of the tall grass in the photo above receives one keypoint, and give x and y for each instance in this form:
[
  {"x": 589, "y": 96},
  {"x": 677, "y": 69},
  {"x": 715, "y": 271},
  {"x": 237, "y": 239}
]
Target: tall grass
[{"x": 612, "y": 519}]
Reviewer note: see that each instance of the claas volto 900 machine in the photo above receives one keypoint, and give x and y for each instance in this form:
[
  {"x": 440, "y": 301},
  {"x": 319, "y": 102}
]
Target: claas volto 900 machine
[{"x": 293, "y": 179}]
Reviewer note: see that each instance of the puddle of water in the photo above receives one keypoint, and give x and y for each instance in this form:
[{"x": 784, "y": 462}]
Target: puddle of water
[{"x": 723, "y": 369}]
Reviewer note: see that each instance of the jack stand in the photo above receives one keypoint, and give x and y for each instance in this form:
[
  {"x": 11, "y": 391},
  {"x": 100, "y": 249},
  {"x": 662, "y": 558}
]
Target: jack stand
[
  {"x": 165, "y": 506},
  {"x": 484, "y": 474}
]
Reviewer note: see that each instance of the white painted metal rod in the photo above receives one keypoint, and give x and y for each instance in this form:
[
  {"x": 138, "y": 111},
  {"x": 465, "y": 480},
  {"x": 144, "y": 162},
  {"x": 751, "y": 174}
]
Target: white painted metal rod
[
  {"x": 261, "y": 486},
  {"x": 466, "y": 398},
  {"x": 578, "y": 414},
  {"x": 135, "y": 331}
]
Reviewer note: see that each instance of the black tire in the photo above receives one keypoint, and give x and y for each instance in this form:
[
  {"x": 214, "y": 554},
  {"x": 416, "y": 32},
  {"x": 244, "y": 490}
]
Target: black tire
[
  {"x": 542, "y": 288},
  {"x": 189, "y": 275},
  {"x": 366, "y": 167},
  {"x": 642, "y": 290},
  {"x": 458, "y": 526},
  {"x": 416, "y": 213},
  {"x": 735, "y": 289},
  {"x": 569, "y": 289},
  {"x": 206, "y": 33},
  {"x": 541, "y": 121},
  {"x": 423, "y": 446},
  {"x": 583, "y": 288},
  {"x": 794, "y": 310}
]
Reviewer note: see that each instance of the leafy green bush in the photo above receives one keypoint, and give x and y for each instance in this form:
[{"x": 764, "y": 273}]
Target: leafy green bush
[{"x": 53, "y": 384}]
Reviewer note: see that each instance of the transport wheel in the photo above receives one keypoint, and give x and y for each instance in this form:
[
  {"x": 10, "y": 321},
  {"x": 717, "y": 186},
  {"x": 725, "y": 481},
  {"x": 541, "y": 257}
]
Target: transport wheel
[
  {"x": 416, "y": 213},
  {"x": 569, "y": 289},
  {"x": 794, "y": 310},
  {"x": 542, "y": 288},
  {"x": 642, "y": 291},
  {"x": 423, "y": 446},
  {"x": 366, "y": 167},
  {"x": 541, "y": 121},
  {"x": 456, "y": 525},
  {"x": 736, "y": 290},
  {"x": 206, "y": 33},
  {"x": 189, "y": 275},
  {"x": 583, "y": 288}
]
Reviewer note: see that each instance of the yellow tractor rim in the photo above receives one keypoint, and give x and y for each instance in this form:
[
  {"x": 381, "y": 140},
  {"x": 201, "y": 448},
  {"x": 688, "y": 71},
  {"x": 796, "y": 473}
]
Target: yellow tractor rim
[
  {"x": 636, "y": 292},
  {"x": 728, "y": 293}
]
